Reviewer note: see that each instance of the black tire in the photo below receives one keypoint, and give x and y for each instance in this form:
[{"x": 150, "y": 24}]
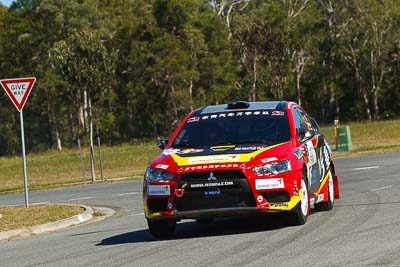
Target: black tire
[
  {"x": 325, "y": 206},
  {"x": 161, "y": 228},
  {"x": 204, "y": 220},
  {"x": 302, "y": 209}
]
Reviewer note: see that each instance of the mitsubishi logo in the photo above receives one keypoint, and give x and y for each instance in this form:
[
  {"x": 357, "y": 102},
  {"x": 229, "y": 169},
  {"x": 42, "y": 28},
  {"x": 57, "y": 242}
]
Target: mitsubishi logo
[{"x": 212, "y": 177}]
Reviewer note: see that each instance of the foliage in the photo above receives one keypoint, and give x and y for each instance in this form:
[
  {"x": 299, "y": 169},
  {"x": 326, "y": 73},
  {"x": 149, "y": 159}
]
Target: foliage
[{"x": 140, "y": 66}]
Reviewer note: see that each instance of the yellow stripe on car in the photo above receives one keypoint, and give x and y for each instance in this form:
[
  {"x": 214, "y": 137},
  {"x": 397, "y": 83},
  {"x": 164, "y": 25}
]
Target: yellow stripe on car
[{"x": 219, "y": 158}]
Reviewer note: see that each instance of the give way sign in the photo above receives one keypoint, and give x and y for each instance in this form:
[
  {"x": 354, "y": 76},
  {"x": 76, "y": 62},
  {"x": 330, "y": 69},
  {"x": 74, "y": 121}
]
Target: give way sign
[{"x": 18, "y": 90}]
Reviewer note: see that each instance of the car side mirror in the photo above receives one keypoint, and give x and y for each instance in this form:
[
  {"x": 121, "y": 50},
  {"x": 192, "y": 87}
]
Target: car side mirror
[
  {"x": 303, "y": 134},
  {"x": 161, "y": 142}
]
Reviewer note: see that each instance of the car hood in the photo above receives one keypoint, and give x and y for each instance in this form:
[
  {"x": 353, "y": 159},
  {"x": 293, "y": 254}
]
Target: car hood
[{"x": 172, "y": 159}]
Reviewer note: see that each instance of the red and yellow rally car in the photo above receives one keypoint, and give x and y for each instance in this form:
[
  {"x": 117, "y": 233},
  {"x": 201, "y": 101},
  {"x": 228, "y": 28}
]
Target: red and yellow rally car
[{"x": 238, "y": 159}]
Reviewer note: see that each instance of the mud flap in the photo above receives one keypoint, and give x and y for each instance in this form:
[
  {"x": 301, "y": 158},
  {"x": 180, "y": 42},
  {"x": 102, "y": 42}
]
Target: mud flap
[{"x": 336, "y": 186}]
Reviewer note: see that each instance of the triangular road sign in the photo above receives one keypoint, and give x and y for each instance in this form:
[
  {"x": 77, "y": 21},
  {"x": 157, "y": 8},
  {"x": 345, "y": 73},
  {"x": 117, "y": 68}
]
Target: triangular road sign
[{"x": 18, "y": 90}]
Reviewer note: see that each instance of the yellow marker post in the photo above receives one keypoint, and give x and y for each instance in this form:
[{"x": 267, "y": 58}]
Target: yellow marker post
[{"x": 335, "y": 132}]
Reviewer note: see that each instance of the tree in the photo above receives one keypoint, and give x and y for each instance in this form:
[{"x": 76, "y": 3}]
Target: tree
[
  {"x": 89, "y": 69},
  {"x": 256, "y": 43}
]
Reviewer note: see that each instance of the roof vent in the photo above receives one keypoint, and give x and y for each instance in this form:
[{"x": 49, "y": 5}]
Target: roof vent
[{"x": 238, "y": 105}]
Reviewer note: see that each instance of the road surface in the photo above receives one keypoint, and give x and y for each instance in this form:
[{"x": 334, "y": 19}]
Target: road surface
[{"x": 363, "y": 229}]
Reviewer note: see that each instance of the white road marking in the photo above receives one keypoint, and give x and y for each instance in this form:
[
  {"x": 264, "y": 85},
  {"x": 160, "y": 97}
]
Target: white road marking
[
  {"x": 381, "y": 188},
  {"x": 130, "y": 193},
  {"x": 136, "y": 214},
  {"x": 365, "y": 168},
  {"x": 81, "y": 198}
]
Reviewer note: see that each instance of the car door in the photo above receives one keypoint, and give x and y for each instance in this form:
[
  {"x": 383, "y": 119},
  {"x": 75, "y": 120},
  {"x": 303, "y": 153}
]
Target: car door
[
  {"x": 323, "y": 154},
  {"x": 312, "y": 142}
]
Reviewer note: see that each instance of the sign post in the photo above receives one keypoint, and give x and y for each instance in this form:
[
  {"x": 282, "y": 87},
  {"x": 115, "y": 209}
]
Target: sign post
[{"x": 18, "y": 91}]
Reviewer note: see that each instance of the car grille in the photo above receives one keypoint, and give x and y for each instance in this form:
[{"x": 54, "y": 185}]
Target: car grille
[{"x": 225, "y": 189}]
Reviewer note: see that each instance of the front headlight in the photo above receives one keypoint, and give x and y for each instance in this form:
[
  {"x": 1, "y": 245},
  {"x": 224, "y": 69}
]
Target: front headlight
[
  {"x": 273, "y": 168},
  {"x": 158, "y": 175}
]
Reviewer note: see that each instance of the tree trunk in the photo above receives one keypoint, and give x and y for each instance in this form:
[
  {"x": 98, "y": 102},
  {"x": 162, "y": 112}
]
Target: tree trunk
[
  {"x": 363, "y": 94},
  {"x": 85, "y": 110},
  {"x": 298, "y": 76},
  {"x": 254, "y": 89},
  {"x": 191, "y": 94},
  {"x": 49, "y": 119},
  {"x": 91, "y": 141},
  {"x": 71, "y": 125},
  {"x": 59, "y": 146}
]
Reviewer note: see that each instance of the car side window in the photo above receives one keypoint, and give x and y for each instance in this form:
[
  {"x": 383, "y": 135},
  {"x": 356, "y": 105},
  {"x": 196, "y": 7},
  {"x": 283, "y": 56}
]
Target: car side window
[
  {"x": 315, "y": 125},
  {"x": 304, "y": 127}
]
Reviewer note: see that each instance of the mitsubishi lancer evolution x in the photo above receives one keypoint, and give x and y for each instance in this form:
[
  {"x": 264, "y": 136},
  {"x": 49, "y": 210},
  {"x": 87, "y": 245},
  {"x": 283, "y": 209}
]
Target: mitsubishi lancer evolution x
[{"x": 242, "y": 158}]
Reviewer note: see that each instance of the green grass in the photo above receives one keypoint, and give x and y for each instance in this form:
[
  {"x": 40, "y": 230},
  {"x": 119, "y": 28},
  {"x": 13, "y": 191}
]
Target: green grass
[
  {"x": 369, "y": 137},
  {"x": 53, "y": 169},
  {"x": 17, "y": 217}
]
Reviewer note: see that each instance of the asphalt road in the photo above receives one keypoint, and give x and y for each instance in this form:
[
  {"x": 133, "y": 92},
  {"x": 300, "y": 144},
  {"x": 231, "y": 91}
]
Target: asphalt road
[{"x": 363, "y": 229}]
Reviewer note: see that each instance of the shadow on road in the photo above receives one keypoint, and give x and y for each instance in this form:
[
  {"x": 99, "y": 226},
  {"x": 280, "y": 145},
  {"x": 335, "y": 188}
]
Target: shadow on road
[{"x": 220, "y": 227}]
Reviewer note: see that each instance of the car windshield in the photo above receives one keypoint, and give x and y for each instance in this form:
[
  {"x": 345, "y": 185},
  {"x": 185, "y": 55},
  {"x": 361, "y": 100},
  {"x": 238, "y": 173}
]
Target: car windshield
[{"x": 255, "y": 127}]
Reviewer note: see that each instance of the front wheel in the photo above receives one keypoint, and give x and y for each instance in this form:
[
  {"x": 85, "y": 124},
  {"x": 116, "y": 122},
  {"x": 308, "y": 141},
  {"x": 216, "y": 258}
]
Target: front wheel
[
  {"x": 302, "y": 209},
  {"x": 161, "y": 228}
]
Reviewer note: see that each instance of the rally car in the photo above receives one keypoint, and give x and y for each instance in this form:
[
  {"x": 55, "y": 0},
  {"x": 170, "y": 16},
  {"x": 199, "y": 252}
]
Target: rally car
[{"x": 240, "y": 158}]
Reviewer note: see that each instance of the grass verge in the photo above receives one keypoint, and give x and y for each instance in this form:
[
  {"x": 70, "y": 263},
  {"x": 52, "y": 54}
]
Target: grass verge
[
  {"x": 368, "y": 137},
  {"x": 54, "y": 169},
  {"x": 17, "y": 217}
]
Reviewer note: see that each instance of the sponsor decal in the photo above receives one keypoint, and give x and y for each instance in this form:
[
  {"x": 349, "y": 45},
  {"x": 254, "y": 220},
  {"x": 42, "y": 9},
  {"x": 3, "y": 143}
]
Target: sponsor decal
[
  {"x": 189, "y": 150},
  {"x": 158, "y": 190},
  {"x": 211, "y": 166},
  {"x": 212, "y": 177},
  {"x": 321, "y": 197},
  {"x": 277, "y": 113},
  {"x": 326, "y": 157},
  {"x": 299, "y": 154},
  {"x": 295, "y": 189},
  {"x": 212, "y": 184},
  {"x": 193, "y": 119},
  {"x": 260, "y": 198},
  {"x": 170, "y": 151},
  {"x": 269, "y": 183},
  {"x": 321, "y": 166},
  {"x": 328, "y": 147},
  {"x": 312, "y": 156},
  {"x": 162, "y": 166},
  {"x": 218, "y": 148},
  {"x": 279, "y": 205},
  {"x": 206, "y": 159},
  {"x": 240, "y": 114},
  {"x": 267, "y": 160},
  {"x": 249, "y": 148},
  {"x": 314, "y": 176},
  {"x": 212, "y": 193}
]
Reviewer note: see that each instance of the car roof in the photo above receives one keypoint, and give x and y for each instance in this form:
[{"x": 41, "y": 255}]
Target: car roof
[{"x": 245, "y": 106}]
